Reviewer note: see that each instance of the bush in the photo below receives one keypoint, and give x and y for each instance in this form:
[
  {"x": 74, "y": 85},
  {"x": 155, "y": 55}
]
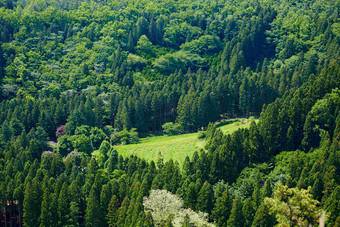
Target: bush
[
  {"x": 125, "y": 137},
  {"x": 64, "y": 145},
  {"x": 172, "y": 129},
  {"x": 201, "y": 135},
  {"x": 82, "y": 143}
]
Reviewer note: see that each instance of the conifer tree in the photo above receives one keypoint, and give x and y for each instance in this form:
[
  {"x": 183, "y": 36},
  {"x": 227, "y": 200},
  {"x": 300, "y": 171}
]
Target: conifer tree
[
  {"x": 112, "y": 215},
  {"x": 205, "y": 199},
  {"x": 235, "y": 218},
  {"x": 222, "y": 208},
  {"x": 248, "y": 212},
  {"x": 46, "y": 212},
  {"x": 32, "y": 204},
  {"x": 74, "y": 214},
  {"x": 63, "y": 204},
  {"x": 263, "y": 218},
  {"x": 93, "y": 215}
]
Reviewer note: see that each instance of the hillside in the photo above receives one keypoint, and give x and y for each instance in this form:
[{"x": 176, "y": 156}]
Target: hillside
[
  {"x": 170, "y": 147},
  {"x": 79, "y": 78},
  {"x": 176, "y": 147}
]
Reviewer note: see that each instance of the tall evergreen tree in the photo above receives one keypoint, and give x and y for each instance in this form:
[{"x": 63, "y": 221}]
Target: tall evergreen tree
[
  {"x": 222, "y": 208},
  {"x": 235, "y": 218},
  {"x": 205, "y": 199}
]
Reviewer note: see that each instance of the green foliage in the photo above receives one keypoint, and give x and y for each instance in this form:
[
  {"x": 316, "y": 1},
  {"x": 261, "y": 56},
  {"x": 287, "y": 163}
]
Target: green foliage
[
  {"x": 206, "y": 44},
  {"x": 65, "y": 145},
  {"x": 222, "y": 209},
  {"x": 103, "y": 68},
  {"x": 82, "y": 143},
  {"x": 178, "y": 60},
  {"x": 125, "y": 137},
  {"x": 172, "y": 129},
  {"x": 235, "y": 218},
  {"x": 292, "y": 206}
]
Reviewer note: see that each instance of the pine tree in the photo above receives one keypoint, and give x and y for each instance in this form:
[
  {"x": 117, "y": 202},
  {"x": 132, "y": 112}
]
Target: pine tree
[
  {"x": 222, "y": 208},
  {"x": 263, "y": 218},
  {"x": 46, "y": 212},
  {"x": 332, "y": 206},
  {"x": 131, "y": 43},
  {"x": 86, "y": 70},
  {"x": 105, "y": 196},
  {"x": 93, "y": 215},
  {"x": 235, "y": 218},
  {"x": 112, "y": 215},
  {"x": 74, "y": 214},
  {"x": 268, "y": 190},
  {"x": 98, "y": 112},
  {"x": 32, "y": 204},
  {"x": 244, "y": 101},
  {"x": 148, "y": 222},
  {"x": 74, "y": 120},
  {"x": 122, "y": 212},
  {"x": 248, "y": 212},
  {"x": 122, "y": 120},
  {"x": 89, "y": 114},
  {"x": 205, "y": 199},
  {"x": 63, "y": 205}
]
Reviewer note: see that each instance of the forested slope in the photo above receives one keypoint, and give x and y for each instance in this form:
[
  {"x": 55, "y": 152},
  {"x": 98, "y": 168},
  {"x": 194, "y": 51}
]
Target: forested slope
[{"x": 89, "y": 75}]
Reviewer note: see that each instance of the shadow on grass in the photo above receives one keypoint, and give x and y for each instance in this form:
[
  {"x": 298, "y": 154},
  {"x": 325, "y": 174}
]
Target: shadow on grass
[{"x": 226, "y": 122}]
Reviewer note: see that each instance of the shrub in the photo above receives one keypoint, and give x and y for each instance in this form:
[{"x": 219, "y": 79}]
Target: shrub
[
  {"x": 172, "y": 129},
  {"x": 125, "y": 137},
  {"x": 201, "y": 135},
  {"x": 60, "y": 131}
]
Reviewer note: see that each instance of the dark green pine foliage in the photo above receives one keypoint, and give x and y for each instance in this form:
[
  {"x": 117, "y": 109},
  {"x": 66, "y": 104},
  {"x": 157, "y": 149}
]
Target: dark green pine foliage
[
  {"x": 148, "y": 222},
  {"x": 205, "y": 199},
  {"x": 32, "y": 204},
  {"x": 332, "y": 205},
  {"x": 75, "y": 119},
  {"x": 122, "y": 212},
  {"x": 98, "y": 112},
  {"x": 191, "y": 196},
  {"x": 74, "y": 215},
  {"x": 63, "y": 204},
  {"x": 93, "y": 215},
  {"x": 46, "y": 215},
  {"x": 236, "y": 217},
  {"x": 248, "y": 212},
  {"x": 263, "y": 218},
  {"x": 222, "y": 208},
  {"x": 112, "y": 215}
]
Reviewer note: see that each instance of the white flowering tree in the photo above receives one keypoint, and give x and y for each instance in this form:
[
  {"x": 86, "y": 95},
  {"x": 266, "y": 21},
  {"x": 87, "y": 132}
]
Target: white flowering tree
[{"x": 162, "y": 203}]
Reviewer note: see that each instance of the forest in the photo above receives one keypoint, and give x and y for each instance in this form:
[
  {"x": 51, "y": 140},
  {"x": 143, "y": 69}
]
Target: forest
[{"x": 78, "y": 78}]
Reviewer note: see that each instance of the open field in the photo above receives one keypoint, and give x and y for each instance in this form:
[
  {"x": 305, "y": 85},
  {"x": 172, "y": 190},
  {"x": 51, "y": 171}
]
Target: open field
[
  {"x": 172, "y": 147},
  {"x": 175, "y": 147},
  {"x": 231, "y": 125}
]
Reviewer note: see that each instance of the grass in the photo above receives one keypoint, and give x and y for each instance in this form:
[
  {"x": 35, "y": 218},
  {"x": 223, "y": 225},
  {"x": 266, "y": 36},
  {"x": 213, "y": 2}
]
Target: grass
[
  {"x": 231, "y": 125},
  {"x": 171, "y": 147},
  {"x": 175, "y": 147}
]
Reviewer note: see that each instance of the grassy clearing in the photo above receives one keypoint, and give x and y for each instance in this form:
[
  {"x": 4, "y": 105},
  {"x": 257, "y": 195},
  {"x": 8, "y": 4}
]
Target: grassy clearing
[
  {"x": 175, "y": 147},
  {"x": 171, "y": 147},
  {"x": 231, "y": 125}
]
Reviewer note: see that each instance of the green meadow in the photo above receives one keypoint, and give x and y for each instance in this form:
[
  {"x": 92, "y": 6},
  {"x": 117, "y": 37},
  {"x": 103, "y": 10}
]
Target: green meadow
[{"x": 175, "y": 147}]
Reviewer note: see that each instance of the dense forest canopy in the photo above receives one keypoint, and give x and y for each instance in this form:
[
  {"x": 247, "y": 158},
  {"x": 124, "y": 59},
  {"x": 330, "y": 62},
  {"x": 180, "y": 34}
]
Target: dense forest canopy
[{"x": 78, "y": 78}]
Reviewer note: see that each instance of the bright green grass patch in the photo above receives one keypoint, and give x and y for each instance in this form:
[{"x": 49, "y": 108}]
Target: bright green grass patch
[
  {"x": 175, "y": 147},
  {"x": 171, "y": 147},
  {"x": 231, "y": 125}
]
